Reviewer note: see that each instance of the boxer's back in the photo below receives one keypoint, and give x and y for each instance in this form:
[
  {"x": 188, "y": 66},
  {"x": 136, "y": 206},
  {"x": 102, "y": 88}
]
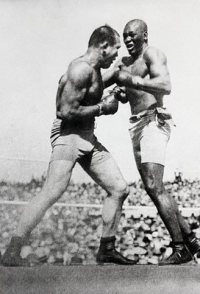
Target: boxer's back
[{"x": 93, "y": 93}]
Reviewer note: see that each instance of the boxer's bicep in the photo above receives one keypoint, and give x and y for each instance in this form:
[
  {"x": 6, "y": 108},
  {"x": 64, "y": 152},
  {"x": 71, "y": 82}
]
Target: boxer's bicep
[
  {"x": 108, "y": 77},
  {"x": 158, "y": 65}
]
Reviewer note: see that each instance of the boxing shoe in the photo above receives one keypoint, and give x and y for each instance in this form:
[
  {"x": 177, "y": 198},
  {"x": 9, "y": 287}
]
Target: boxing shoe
[
  {"x": 108, "y": 254},
  {"x": 180, "y": 255},
  {"x": 12, "y": 257},
  {"x": 15, "y": 261},
  {"x": 193, "y": 244},
  {"x": 113, "y": 256}
]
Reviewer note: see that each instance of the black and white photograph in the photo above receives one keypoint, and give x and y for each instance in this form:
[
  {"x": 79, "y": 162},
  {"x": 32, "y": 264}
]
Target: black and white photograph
[{"x": 99, "y": 147}]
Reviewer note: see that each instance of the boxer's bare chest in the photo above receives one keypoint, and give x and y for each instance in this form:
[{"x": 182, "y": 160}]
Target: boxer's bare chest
[
  {"x": 139, "y": 100},
  {"x": 136, "y": 67}
]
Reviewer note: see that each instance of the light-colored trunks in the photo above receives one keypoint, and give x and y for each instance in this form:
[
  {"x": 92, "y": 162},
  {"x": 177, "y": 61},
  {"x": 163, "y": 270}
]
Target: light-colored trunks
[
  {"x": 150, "y": 135},
  {"x": 76, "y": 145}
]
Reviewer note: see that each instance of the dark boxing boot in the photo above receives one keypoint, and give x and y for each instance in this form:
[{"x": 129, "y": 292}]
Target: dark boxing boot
[
  {"x": 108, "y": 254},
  {"x": 179, "y": 255},
  {"x": 12, "y": 257},
  {"x": 192, "y": 243}
]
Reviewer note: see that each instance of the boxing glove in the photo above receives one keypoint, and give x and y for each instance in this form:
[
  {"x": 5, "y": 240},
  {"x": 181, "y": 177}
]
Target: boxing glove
[
  {"x": 108, "y": 105},
  {"x": 120, "y": 94}
]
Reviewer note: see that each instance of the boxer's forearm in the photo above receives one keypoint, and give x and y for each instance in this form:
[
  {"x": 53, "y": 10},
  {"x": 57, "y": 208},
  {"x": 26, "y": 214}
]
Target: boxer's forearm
[
  {"x": 153, "y": 86},
  {"x": 109, "y": 78},
  {"x": 82, "y": 112}
]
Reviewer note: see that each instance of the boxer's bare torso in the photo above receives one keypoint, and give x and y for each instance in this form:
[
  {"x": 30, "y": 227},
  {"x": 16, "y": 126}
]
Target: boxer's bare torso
[
  {"x": 88, "y": 92},
  {"x": 141, "y": 66}
]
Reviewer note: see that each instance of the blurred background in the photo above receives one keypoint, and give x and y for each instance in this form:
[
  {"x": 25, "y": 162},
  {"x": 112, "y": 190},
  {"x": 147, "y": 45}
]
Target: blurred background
[{"x": 70, "y": 231}]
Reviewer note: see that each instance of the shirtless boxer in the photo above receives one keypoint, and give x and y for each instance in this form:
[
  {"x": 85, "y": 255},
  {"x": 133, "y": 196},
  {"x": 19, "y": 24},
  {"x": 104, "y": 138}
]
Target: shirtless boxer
[
  {"x": 78, "y": 102},
  {"x": 145, "y": 78}
]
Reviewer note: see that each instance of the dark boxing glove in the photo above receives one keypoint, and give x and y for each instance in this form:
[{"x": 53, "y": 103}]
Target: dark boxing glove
[
  {"x": 108, "y": 105},
  {"x": 119, "y": 93}
]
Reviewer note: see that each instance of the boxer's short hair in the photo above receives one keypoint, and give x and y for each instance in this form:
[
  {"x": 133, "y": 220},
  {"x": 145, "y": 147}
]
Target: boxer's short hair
[{"x": 102, "y": 34}]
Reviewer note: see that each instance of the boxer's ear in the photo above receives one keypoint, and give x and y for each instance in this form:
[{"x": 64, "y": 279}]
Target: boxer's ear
[
  {"x": 103, "y": 47},
  {"x": 146, "y": 36}
]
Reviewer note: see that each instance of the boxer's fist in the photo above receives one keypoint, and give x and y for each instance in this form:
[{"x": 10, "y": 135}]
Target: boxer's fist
[{"x": 109, "y": 105}]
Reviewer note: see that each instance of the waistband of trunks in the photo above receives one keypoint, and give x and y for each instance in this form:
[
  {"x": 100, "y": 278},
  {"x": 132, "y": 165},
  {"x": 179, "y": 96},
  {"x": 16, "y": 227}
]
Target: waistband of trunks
[
  {"x": 135, "y": 117},
  {"x": 63, "y": 125},
  {"x": 161, "y": 113}
]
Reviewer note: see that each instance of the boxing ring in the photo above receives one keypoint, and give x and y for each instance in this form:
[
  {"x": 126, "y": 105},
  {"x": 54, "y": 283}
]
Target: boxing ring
[{"x": 112, "y": 279}]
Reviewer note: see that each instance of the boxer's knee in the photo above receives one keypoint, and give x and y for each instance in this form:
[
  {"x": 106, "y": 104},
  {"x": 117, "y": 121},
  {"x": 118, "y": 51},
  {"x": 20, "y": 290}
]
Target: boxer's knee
[
  {"x": 158, "y": 195},
  {"x": 152, "y": 176},
  {"x": 153, "y": 187},
  {"x": 121, "y": 192}
]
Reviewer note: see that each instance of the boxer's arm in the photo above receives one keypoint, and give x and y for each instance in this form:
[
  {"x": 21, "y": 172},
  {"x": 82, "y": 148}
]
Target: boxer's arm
[
  {"x": 74, "y": 91},
  {"x": 109, "y": 77},
  {"x": 159, "y": 81},
  {"x": 61, "y": 85}
]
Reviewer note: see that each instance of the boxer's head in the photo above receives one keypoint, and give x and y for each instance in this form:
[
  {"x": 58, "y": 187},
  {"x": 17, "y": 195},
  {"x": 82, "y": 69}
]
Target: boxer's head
[
  {"x": 107, "y": 41},
  {"x": 135, "y": 35}
]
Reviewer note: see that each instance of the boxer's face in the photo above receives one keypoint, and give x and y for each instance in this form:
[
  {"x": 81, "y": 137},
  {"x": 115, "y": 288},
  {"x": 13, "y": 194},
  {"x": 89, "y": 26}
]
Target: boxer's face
[
  {"x": 110, "y": 53},
  {"x": 134, "y": 38}
]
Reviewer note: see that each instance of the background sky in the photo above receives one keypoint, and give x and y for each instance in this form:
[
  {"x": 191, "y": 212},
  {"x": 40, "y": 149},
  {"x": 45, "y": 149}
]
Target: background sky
[{"x": 40, "y": 38}]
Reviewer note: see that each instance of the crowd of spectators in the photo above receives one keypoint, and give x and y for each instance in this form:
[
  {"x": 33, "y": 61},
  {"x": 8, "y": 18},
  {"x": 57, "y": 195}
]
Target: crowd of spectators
[{"x": 70, "y": 235}]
